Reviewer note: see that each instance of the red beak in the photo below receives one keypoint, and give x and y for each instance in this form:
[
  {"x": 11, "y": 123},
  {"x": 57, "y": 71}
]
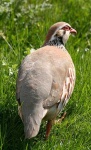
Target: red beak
[{"x": 73, "y": 31}]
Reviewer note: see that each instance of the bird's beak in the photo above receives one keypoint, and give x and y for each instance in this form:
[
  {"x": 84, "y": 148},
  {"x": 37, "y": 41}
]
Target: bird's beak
[{"x": 73, "y": 31}]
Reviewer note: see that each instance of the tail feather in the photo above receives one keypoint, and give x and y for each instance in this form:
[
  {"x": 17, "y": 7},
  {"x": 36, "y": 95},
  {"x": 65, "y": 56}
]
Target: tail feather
[
  {"x": 31, "y": 128},
  {"x": 32, "y": 117}
]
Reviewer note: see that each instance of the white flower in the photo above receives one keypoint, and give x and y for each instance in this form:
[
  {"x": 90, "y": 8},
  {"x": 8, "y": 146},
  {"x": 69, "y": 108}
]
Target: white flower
[
  {"x": 86, "y": 49},
  {"x": 32, "y": 50},
  {"x": 10, "y": 71}
]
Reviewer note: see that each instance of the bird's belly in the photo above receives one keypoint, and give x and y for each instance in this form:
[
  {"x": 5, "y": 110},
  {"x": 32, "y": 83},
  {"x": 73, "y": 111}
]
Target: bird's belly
[{"x": 52, "y": 112}]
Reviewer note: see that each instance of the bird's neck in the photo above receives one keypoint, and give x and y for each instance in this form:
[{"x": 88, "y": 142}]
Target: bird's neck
[{"x": 56, "y": 42}]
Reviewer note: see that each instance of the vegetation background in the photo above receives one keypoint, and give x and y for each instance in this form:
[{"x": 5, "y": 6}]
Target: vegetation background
[{"x": 23, "y": 26}]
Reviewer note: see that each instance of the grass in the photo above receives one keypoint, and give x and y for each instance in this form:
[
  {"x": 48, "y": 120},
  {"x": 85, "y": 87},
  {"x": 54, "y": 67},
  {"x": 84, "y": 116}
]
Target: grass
[{"x": 23, "y": 26}]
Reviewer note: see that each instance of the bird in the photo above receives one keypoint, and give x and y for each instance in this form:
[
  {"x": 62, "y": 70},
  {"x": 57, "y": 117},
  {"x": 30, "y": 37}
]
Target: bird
[{"x": 45, "y": 81}]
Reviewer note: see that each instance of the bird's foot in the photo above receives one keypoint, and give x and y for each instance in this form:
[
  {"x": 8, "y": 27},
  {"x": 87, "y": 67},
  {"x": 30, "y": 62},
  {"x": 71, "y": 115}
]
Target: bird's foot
[{"x": 60, "y": 119}]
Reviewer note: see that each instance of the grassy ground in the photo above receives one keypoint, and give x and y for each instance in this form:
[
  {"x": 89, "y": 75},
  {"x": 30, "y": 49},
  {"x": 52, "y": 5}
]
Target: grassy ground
[{"x": 23, "y": 26}]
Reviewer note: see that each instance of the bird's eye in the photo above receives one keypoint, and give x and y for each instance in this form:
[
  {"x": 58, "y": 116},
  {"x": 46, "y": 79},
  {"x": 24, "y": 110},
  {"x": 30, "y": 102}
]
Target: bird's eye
[{"x": 66, "y": 28}]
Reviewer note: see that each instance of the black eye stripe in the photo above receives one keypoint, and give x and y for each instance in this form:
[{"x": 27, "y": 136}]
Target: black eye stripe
[{"x": 64, "y": 32}]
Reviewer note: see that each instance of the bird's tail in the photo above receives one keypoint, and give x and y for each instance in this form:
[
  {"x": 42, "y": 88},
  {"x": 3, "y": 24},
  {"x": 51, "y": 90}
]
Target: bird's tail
[{"x": 31, "y": 116}]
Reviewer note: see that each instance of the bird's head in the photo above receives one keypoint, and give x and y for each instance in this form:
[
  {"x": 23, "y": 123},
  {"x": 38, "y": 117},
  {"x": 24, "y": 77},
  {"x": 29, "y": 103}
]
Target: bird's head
[{"x": 61, "y": 31}]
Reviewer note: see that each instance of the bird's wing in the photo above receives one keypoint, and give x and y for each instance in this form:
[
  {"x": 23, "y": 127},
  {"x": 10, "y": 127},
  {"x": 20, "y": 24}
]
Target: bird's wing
[
  {"x": 63, "y": 75},
  {"x": 54, "y": 95},
  {"x": 61, "y": 92}
]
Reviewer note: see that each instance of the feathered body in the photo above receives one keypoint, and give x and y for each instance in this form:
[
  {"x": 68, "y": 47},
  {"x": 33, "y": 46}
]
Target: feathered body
[{"x": 46, "y": 80}]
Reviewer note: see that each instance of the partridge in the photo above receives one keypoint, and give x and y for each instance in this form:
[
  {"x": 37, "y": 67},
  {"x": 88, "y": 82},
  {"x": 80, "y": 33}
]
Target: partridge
[{"x": 45, "y": 81}]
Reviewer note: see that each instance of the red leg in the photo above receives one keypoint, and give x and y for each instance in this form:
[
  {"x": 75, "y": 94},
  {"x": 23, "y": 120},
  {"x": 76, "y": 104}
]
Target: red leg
[{"x": 48, "y": 128}]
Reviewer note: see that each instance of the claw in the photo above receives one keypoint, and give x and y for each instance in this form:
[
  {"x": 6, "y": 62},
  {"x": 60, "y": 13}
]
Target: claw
[{"x": 60, "y": 119}]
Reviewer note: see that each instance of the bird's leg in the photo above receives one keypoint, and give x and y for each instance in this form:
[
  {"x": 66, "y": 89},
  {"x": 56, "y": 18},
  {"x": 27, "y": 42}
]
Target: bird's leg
[
  {"x": 61, "y": 118},
  {"x": 48, "y": 128}
]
